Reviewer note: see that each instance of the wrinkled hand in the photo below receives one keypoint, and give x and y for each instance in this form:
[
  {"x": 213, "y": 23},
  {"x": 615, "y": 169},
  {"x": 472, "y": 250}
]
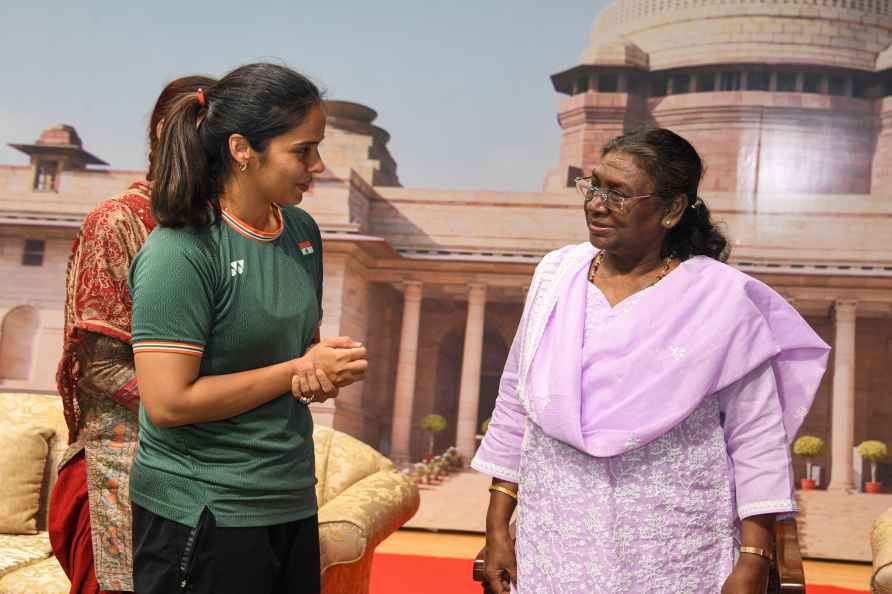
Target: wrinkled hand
[
  {"x": 750, "y": 576},
  {"x": 501, "y": 564},
  {"x": 310, "y": 384},
  {"x": 341, "y": 359}
]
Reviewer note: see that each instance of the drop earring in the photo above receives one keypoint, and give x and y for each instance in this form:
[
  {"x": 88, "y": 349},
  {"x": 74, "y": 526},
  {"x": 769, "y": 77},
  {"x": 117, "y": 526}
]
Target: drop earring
[{"x": 243, "y": 167}]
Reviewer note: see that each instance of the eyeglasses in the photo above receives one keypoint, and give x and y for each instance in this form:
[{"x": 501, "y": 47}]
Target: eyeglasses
[{"x": 614, "y": 200}]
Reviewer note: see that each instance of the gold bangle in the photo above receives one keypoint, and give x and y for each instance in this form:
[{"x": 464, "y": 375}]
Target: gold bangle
[
  {"x": 764, "y": 553},
  {"x": 504, "y": 490}
]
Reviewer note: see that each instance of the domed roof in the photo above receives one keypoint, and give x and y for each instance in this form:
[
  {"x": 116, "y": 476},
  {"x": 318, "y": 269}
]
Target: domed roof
[
  {"x": 678, "y": 33},
  {"x": 349, "y": 110},
  {"x": 62, "y": 135},
  {"x": 354, "y": 117},
  {"x": 616, "y": 52}
]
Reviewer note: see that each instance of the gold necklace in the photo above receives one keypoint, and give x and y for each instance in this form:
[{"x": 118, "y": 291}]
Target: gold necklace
[{"x": 596, "y": 263}]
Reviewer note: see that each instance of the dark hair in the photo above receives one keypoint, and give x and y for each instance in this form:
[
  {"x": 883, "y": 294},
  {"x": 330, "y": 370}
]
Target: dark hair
[
  {"x": 259, "y": 101},
  {"x": 675, "y": 168},
  {"x": 175, "y": 88}
]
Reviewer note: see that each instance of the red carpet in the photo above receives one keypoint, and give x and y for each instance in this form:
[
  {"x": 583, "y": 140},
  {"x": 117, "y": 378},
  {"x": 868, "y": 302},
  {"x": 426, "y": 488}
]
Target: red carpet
[{"x": 414, "y": 574}]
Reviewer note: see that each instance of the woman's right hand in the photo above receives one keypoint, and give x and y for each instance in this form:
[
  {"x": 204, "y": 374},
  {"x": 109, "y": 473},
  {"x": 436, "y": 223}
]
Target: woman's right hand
[
  {"x": 501, "y": 564},
  {"x": 310, "y": 384},
  {"x": 341, "y": 359}
]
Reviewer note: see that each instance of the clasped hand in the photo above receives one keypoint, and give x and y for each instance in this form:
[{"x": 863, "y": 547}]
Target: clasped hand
[
  {"x": 326, "y": 367},
  {"x": 750, "y": 576}
]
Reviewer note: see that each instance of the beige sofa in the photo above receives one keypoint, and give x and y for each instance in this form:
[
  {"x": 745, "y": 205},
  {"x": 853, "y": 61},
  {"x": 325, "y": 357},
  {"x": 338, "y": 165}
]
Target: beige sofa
[
  {"x": 363, "y": 498},
  {"x": 881, "y": 542}
]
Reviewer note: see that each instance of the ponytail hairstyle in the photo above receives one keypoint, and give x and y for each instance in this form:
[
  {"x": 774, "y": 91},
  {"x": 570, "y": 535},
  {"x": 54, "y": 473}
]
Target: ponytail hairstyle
[
  {"x": 675, "y": 168},
  {"x": 174, "y": 89},
  {"x": 259, "y": 101}
]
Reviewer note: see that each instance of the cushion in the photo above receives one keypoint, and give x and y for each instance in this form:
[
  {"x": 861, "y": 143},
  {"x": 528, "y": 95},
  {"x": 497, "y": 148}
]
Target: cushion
[
  {"x": 43, "y": 410},
  {"x": 23, "y": 459},
  {"x": 45, "y": 577},
  {"x": 19, "y": 550}
]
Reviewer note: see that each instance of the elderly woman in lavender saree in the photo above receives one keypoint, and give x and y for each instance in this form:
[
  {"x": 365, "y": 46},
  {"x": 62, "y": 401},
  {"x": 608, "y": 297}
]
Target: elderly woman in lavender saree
[{"x": 649, "y": 399}]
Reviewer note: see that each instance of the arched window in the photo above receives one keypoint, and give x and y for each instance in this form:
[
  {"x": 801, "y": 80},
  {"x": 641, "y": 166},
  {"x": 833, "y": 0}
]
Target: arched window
[{"x": 16, "y": 342}]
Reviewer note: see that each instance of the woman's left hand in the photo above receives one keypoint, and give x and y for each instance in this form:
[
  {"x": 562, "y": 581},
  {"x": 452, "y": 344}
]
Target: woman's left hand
[
  {"x": 310, "y": 384},
  {"x": 750, "y": 576}
]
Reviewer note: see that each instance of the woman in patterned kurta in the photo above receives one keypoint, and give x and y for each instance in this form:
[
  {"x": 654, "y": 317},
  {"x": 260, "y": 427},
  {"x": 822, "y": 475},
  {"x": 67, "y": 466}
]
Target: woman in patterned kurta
[
  {"x": 89, "y": 518},
  {"x": 646, "y": 409}
]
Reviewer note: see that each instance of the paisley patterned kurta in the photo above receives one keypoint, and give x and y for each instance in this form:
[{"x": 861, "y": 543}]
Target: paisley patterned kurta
[{"x": 95, "y": 376}]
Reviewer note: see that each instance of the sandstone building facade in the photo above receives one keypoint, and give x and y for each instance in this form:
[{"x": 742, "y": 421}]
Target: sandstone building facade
[{"x": 790, "y": 104}]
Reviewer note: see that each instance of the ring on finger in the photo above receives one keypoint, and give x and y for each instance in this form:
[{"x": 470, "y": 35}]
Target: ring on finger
[{"x": 306, "y": 400}]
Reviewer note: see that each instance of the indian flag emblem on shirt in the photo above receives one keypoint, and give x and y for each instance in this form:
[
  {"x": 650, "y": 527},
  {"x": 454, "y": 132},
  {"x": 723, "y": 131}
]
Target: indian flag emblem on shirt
[{"x": 306, "y": 248}]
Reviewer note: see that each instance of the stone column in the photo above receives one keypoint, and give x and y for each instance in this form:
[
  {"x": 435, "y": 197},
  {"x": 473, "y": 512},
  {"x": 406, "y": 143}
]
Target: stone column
[
  {"x": 404, "y": 395},
  {"x": 469, "y": 394},
  {"x": 842, "y": 433}
]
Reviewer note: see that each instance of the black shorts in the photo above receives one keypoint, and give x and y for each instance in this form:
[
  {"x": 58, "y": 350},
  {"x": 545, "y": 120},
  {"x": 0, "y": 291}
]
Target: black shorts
[{"x": 169, "y": 557}]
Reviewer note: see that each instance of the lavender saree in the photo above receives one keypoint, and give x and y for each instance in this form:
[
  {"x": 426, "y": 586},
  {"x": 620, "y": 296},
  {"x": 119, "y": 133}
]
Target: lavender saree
[{"x": 640, "y": 434}]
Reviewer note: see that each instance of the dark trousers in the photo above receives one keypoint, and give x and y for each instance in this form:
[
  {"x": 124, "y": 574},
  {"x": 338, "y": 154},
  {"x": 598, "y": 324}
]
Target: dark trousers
[{"x": 169, "y": 557}]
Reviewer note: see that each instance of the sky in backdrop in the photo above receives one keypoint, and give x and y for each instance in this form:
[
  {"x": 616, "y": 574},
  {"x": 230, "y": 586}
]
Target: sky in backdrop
[{"x": 462, "y": 86}]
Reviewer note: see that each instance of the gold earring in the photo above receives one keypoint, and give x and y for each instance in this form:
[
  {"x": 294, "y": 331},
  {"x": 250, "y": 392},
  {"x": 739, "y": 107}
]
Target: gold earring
[
  {"x": 243, "y": 166},
  {"x": 667, "y": 223}
]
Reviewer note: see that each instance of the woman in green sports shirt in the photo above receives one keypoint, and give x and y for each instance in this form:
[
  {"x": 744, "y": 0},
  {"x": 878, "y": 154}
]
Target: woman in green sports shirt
[{"x": 227, "y": 299}]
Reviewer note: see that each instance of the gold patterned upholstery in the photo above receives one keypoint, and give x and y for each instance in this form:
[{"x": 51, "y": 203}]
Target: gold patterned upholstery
[
  {"x": 27, "y": 564},
  {"x": 39, "y": 410},
  {"x": 881, "y": 542},
  {"x": 44, "y": 576},
  {"x": 363, "y": 498},
  {"x": 19, "y": 550}
]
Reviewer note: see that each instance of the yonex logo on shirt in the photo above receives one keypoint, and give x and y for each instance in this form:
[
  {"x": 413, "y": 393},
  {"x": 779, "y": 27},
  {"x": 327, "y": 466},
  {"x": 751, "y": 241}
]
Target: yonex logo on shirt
[
  {"x": 306, "y": 248},
  {"x": 237, "y": 267}
]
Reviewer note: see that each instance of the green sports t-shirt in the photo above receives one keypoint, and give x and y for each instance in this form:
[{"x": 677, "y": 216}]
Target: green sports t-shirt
[{"x": 240, "y": 299}]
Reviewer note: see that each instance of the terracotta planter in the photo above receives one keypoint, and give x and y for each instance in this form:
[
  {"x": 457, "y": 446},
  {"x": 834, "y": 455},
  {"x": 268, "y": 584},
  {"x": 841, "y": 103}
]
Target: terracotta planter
[
  {"x": 870, "y": 487},
  {"x": 807, "y": 484}
]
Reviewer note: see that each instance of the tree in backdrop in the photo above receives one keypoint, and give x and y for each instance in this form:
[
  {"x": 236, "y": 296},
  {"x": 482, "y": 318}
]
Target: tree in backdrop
[
  {"x": 873, "y": 451},
  {"x": 433, "y": 424},
  {"x": 808, "y": 446}
]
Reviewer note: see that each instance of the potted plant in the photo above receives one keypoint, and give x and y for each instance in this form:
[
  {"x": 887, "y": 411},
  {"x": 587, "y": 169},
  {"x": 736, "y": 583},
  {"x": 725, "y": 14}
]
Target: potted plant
[
  {"x": 433, "y": 424},
  {"x": 419, "y": 471},
  {"x": 439, "y": 468},
  {"x": 429, "y": 473},
  {"x": 873, "y": 451},
  {"x": 808, "y": 446},
  {"x": 453, "y": 460}
]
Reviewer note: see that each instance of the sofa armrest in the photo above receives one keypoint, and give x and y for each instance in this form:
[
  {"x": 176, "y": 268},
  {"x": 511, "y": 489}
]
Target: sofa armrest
[
  {"x": 358, "y": 519},
  {"x": 881, "y": 543}
]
